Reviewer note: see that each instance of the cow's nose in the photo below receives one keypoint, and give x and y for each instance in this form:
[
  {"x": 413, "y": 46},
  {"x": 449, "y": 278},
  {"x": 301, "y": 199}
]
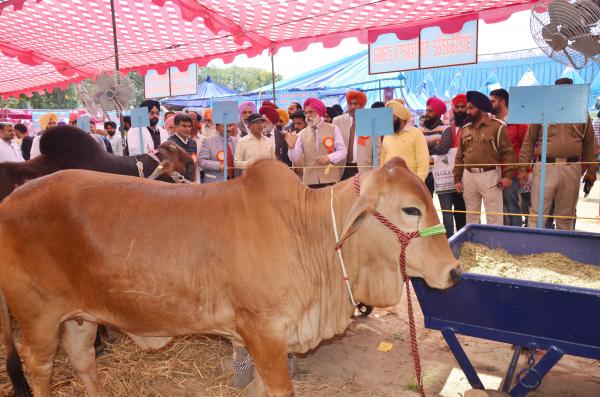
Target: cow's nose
[{"x": 455, "y": 274}]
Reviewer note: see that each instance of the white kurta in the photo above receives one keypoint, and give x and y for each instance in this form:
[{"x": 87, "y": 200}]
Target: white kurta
[
  {"x": 10, "y": 151},
  {"x": 35, "y": 147},
  {"x": 134, "y": 142}
]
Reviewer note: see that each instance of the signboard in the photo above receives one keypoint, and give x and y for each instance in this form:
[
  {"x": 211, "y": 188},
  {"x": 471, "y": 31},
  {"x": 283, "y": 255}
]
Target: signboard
[
  {"x": 374, "y": 123},
  {"x": 139, "y": 117},
  {"x": 184, "y": 82},
  {"x": 171, "y": 83},
  {"x": 439, "y": 49},
  {"x": 430, "y": 49},
  {"x": 559, "y": 104},
  {"x": 156, "y": 85},
  {"x": 225, "y": 112},
  {"x": 389, "y": 54}
]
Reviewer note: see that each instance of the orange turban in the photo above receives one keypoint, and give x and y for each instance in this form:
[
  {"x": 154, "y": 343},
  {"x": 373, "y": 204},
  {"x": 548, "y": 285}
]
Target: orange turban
[
  {"x": 357, "y": 96},
  {"x": 207, "y": 114},
  {"x": 283, "y": 116}
]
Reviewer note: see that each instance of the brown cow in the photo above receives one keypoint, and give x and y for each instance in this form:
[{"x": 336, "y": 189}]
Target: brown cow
[
  {"x": 67, "y": 147},
  {"x": 96, "y": 263}
]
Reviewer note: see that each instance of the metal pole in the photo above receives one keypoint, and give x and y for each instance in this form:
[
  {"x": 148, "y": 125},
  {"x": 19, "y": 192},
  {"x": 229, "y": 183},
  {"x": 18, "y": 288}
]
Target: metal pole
[
  {"x": 114, "y": 29},
  {"x": 273, "y": 74},
  {"x": 225, "y": 147},
  {"x": 117, "y": 68},
  {"x": 542, "y": 183}
]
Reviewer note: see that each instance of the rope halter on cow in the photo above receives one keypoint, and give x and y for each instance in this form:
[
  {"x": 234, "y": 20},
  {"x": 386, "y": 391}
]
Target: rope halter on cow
[
  {"x": 176, "y": 176},
  {"x": 404, "y": 238}
]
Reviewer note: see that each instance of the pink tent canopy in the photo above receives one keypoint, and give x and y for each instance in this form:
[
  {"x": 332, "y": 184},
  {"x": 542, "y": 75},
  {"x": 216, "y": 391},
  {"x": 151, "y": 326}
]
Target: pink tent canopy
[{"x": 52, "y": 43}]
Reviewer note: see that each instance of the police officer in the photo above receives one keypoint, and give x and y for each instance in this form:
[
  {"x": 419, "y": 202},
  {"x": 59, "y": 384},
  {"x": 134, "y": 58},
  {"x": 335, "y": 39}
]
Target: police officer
[
  {"x": 484, "y": 140},
  {"x": 567, "y": 145}
]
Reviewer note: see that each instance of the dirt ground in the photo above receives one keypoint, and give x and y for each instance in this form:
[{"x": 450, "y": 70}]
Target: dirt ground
[{"x": 349, "y": 365}]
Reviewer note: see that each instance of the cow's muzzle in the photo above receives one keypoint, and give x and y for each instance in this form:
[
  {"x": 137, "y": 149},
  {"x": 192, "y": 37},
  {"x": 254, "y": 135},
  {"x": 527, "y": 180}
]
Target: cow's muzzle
[{"x": 455, "y": 275}]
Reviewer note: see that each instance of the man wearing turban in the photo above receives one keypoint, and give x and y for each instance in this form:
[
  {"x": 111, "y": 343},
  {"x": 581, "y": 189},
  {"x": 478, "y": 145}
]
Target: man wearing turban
[
  {"x": 439, "y": 143},
  {"x": 483, "y": 146},
  {"x": 142, "y": 140},
  {"x": 568, "y": 144},
  {"x": 47, "y": 121},
  {"x": 407, "y": 142},
  {"x": 437, "y": 134},
  {"x": 245, "y": 109},
  {"x": 360, "y": 149},
  {"x": 281, "y": 147},
  {"x": 321, "y": 144},
  {"x": 208, "y": 128}
]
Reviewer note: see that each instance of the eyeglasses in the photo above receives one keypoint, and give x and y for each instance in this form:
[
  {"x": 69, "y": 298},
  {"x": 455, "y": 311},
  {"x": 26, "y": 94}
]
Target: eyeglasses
[{"x": 310, "y": 111}]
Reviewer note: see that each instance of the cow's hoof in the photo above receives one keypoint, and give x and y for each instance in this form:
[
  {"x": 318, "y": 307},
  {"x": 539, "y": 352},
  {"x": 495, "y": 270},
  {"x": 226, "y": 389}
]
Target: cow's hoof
[{"x": 242, "y": 379}]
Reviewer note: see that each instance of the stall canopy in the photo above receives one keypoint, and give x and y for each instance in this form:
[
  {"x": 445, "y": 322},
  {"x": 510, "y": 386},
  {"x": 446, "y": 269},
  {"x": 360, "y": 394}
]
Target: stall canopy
[
  {"x": 493, "y": 71},
  {"x": 51, "y": 43},
  {"x": 206, "y": 91}
]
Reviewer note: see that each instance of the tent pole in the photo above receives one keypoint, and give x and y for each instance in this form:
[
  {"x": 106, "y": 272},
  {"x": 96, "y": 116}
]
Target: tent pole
[
  {"x": 117, "y": 68},
  {"x": 273, "y": 74},
  {"x": 114, "y": 29},
  {"x": 379, "y": 90}
]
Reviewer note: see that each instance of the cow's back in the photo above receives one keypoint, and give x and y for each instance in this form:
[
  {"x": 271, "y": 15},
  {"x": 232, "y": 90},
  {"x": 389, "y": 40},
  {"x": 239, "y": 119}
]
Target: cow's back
[{"x": 119, "y": 246}]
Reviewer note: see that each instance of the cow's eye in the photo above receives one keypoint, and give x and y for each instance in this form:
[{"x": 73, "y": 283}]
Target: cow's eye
[{"x": 411, "y": 211}]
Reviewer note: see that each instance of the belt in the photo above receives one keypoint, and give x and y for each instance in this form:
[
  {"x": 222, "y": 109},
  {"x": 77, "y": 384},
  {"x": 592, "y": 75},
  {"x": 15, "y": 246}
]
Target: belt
[
  {"x": 551, "y": 160},
  {"x": 480, "y": 170}
]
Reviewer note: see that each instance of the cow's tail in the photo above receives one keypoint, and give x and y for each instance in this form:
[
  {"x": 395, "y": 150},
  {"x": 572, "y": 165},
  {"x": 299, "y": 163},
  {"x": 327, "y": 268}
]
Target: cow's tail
[{"x": 14, "y": 367}]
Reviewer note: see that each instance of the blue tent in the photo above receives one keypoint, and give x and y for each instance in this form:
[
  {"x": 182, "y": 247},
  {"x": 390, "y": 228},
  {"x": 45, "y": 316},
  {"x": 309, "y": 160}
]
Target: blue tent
[
  {"x": 504, "y": 70},
  {"x": 206, "y": 91}
]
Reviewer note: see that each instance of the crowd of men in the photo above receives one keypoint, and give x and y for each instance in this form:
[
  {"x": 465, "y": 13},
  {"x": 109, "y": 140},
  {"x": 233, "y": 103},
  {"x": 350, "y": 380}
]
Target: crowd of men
[{"x": 486, "y": 160}]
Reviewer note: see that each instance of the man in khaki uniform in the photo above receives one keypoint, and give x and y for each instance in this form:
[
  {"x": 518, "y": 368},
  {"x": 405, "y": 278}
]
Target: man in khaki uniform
[
  {"x": 360, "y": 149},
  {"x": 483, "y": 140},
  {"x": 567, "y": 145},
  {"x": 321, "y": 144}
]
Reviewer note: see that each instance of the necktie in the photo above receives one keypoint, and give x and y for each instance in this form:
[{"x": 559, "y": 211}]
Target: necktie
[
  {"x": 351, "y": 142},
  {"x": 230, "y": 170}
]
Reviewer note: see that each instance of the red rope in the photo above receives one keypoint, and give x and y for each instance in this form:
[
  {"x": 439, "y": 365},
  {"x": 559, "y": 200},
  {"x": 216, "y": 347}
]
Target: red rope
[{"x": 404, "y": 239}]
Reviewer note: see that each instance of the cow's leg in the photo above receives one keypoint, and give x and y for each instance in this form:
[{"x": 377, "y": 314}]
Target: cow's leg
[
  {"x": 269, "y": 351},
  {"x": 78, "y": 342},
  {"x": 40, "y": 341}
]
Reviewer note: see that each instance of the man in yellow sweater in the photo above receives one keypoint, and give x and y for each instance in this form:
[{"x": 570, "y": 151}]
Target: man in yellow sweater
[{"x": 407, "y": 142}]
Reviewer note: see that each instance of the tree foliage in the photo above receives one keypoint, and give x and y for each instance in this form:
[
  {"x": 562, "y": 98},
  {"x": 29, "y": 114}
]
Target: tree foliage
[
  {"x": 241, "y": 79},
  {"x": 238, "y": 78}
]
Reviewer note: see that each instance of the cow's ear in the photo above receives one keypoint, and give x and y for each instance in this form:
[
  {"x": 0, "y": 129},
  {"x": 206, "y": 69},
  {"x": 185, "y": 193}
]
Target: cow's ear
[{"x": 366, "y": 202}]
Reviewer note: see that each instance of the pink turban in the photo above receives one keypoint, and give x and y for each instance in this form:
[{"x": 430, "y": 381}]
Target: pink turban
[
  {"x": 244, "y": 105},
  {"x": 438, "y": 106},
  {"x": 317, "y": 106}
]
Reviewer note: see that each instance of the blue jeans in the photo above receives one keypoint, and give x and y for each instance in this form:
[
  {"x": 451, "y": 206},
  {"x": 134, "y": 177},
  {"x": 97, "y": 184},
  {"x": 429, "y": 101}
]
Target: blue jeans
[
  {"x": 446, "y": 200},
  {"x": 510, "y": 198}
]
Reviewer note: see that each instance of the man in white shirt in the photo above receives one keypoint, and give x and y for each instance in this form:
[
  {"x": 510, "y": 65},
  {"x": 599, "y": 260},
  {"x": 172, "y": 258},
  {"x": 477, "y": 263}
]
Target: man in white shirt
[
  {"x": 254, "y": 146},
  {"x": 48, "y": 120},
  {"x": 151, "y": 137},
  {"x": 9, "y": 150},
  {"x": 322, "y": 145},
  {"x": 114, "y": 137}
]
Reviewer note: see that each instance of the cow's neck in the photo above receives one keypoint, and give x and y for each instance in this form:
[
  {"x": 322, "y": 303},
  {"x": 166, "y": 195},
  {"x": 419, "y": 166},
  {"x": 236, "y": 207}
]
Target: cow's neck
[
  {"x": 332, "y": 298},
  {"x": 125, "y": 165}
]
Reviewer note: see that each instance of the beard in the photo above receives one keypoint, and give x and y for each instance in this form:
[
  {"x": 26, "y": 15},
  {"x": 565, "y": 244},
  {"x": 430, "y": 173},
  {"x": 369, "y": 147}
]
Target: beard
[
  {"x": 460, "y": 118},
  {"x": 397, "y": 125},
  {"x": 430, "y": 122},
  {"x": 472, "y": 118},
  {"x": 312, "y": 122},
  {"x": 153, "y": 122}
]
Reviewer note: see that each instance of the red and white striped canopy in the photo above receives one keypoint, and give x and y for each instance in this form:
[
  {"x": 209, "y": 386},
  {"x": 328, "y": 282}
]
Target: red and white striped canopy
[{"x": 52, "y": 43}]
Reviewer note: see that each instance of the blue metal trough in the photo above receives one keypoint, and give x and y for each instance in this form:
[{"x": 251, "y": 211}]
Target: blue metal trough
[{"x": 558, "y": 319}]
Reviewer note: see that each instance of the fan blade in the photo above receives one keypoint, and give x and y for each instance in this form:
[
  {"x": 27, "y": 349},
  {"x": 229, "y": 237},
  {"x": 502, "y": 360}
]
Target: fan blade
[
  {"x": 588, "y": 46},
  {"x": 559, "y": 10}
]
